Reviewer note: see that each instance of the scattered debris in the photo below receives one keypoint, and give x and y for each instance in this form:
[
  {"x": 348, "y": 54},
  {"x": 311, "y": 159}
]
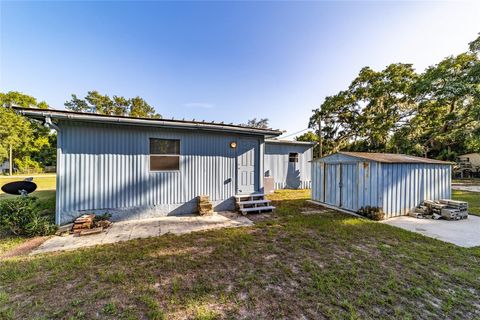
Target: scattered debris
[
  {"x": 90, "y": 231},
  {"x": 103, "y": 223},
  {"x": 205, "y": 207},
  {"x": 89, "y": 224},
  {"x": 442, "y": 209}
]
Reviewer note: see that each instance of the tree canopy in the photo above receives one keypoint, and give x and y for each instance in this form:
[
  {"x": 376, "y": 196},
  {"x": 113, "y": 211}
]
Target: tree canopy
[
  {"x": 435, "y": 113},
  {"x": 257, "y": 123},
  {"x": 116, "y": 105},
  {"x": 32, "y": 144}
]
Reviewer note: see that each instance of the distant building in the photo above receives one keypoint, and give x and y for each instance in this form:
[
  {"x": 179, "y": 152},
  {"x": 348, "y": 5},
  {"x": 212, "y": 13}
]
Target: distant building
[
  {"x": 473, "y": 158},
  {"x": 5, "y": 167},
  {"x": 468, "y": 166},
  {"x": 287, "y": 164}
]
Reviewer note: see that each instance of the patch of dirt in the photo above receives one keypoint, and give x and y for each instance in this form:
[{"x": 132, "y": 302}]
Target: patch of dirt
[
  {"x": 308, "y": 212},
  {"x": 24, "y": 248},
  {"x": 182, "y": 251},
  {"x": 256, "y": 217}
]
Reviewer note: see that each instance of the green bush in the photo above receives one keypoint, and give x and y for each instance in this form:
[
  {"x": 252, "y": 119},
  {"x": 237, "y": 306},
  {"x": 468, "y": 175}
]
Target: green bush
[
  {"x": 24, "y": 216},
  {"x": 374, "y": 213}
]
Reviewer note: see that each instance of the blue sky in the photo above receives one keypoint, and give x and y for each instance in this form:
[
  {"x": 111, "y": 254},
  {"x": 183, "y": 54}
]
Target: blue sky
[{"x": 217, "y": 60}]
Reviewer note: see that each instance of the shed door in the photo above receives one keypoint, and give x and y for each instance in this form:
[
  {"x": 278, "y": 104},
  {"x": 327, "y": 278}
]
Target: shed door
[
  {"x": 246, "y": 161},
  {"x": 332, "y": 184},
  {"x": 341, "y": 185},
  {"x": 349, "y": 186}
]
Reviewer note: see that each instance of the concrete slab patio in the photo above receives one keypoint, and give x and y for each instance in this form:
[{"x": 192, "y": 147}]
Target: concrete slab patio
[
  {"x": 463, "y": 233},
  {"x": 465, "y": 187},
  {"x": 127, "y": 230}
]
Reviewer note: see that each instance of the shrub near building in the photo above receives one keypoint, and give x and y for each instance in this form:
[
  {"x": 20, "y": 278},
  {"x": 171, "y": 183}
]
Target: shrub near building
[{"x": 23, "y": 216}]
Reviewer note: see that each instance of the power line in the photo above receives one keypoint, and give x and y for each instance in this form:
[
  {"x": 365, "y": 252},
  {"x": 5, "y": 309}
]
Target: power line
[{"x": 289, "y": 135}]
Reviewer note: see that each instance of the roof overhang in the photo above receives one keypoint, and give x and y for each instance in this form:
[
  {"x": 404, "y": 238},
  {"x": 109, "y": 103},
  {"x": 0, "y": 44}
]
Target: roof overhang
[
  {"x": 386, "y": 158},
  {"x": 61, "y": 115},
  {"x": 291, "y": 142}
]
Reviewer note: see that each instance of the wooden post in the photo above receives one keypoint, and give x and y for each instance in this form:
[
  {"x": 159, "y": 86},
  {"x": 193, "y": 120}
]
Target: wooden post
[{"x": 10, "y": 161}]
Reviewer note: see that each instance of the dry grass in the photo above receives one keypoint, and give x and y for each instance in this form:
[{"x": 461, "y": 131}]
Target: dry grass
[{"x": 294, "y": 264}]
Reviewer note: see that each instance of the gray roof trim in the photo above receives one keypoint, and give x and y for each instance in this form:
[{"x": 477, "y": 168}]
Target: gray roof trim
[
  {"x": 388, "y": 158},
  {"x": 63, "y": 115},
  {"x": 279, "y": 141}
]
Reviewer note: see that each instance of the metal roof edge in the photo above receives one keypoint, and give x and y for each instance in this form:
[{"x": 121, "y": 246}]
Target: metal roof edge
[
  {"x": 376, "y": 157},
  {"x": 290, "y": 142},
  {"x": 175, "y": 124}
]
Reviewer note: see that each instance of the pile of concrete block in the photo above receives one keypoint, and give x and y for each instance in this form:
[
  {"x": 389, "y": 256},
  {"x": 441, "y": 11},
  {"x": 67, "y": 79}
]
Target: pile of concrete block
[
  {"x": 87, "y": 224},
  {"x": 83, "y": 222},
  {"x": 443, "y": 209},
  {"x": 205, "y": 207}
]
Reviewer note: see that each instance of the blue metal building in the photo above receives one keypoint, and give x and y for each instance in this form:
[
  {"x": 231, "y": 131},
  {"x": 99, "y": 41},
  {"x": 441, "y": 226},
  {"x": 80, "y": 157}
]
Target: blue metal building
[
  {"x": 139, "y": 168},
  {"x": 394, "y": 182},
  {"x": 288, "y": 163}
]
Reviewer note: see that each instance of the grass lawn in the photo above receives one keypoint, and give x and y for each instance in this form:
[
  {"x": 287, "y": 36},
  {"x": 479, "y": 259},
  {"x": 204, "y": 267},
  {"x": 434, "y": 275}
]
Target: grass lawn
[
  {"x": 45, "y": 185},
  {"x": 473, "y": 199},
  {"x": 299, "y": 263},
  {"x": 45, "y": 189}
]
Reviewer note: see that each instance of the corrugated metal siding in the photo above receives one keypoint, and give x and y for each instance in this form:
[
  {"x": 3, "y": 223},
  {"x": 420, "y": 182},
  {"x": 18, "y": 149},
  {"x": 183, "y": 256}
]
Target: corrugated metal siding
[
  {"x": 285, "y": 174},
  {"x": 397, "y": 188},
  {"x": 104, "y": 167},
  {"x": 406, "y": 185}
]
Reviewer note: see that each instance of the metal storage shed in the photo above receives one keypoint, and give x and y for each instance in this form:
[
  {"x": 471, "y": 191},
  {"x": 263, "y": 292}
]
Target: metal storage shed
[
  {"x": 288, "y": 163},
  {"x": 394, "y": 182}
]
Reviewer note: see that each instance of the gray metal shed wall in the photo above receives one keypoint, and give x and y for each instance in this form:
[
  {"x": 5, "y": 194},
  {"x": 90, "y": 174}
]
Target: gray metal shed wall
[
  {"x": 106, "y": 167},
  {"x": 288, "y": 175},
  {"x": 396, "y": 187},
  {"x": 406, "y": 185}
]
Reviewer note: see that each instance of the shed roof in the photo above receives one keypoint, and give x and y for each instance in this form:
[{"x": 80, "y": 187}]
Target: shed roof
[
  {"x": 391, "y": 157},
  {"x": 63, "y": 115}
]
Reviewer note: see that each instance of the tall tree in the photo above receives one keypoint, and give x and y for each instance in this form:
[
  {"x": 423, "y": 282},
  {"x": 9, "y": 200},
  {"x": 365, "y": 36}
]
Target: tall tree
[
  {"x": 435, "y": 113},
  {"x": 372, "y": 108},
  {"x": 448, "y": 110},
  {"x": 139, "y": 108},
  {"x": 117, "y": 105},
  {"x": 21, "y": 138},
  {"x": 257, "y": 123},
  {"x": 78, "y": 105}
]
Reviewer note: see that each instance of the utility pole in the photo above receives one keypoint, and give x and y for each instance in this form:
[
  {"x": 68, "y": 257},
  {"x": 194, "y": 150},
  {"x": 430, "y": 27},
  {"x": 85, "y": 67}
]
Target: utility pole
[
  {"x": 320, "y": 140},
  {"x": 10, "y": 162}
]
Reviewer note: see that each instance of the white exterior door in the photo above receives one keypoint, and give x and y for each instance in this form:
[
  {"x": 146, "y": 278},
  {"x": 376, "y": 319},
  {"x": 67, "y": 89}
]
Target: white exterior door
[{"x": 247, "y": 155}]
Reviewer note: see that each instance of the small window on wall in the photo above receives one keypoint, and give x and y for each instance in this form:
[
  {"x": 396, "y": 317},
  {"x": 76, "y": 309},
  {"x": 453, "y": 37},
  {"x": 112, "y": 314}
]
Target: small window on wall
[
  {"x": 293, "y": 157},
  {"x": 164, "y": 154}
]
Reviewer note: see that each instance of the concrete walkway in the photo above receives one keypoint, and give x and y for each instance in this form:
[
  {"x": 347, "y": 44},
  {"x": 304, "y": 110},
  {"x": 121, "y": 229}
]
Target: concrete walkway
[
  {"x": 466, "y": 187},
  {"x": 127, "y": 230},
  {"x": 463, "y": 233}
]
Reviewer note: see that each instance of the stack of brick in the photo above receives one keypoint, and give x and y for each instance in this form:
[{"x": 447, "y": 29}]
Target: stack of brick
[
  {"x": 83, "y": 222},
  {"x": 84, "y": 225},
  {"x": 205, "y": 207}
]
